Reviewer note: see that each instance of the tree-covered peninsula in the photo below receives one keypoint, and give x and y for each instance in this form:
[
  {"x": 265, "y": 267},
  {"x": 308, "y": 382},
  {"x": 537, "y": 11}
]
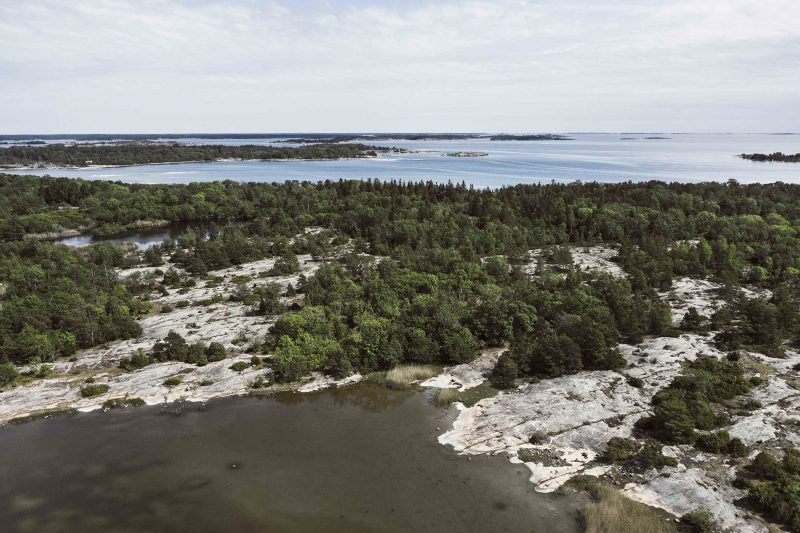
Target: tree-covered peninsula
[
  {"x": 79, "y": 155},
  {"x": 776, "y": 156}
]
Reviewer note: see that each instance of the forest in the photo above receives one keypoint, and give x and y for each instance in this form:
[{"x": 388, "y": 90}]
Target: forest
[
  {"x": 451, "y": 280},
  {"x": 146, "y": 153}
]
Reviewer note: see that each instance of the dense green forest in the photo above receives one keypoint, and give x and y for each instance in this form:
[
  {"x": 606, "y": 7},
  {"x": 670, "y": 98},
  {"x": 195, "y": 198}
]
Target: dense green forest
[
  {"x": 451, "y": 281},
  {"x": 777, "y": 156},
  {"x": 145, "y": 153}
]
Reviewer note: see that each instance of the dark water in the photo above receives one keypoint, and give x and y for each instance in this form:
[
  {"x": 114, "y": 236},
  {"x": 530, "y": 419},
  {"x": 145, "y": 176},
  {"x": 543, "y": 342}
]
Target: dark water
[
  {"x": 143, "y": 238},
  {"x": 352, "y": 460}
]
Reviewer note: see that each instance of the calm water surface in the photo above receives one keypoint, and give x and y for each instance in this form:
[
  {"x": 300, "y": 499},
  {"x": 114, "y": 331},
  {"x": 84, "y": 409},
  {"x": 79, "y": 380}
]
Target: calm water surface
[
  {"x": 590, "y": 157},
  {"x": 360, "y": 459}
]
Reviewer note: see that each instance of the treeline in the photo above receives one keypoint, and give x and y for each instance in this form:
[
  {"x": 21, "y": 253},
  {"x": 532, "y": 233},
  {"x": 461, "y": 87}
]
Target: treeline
[
  {"x": 776, "y": 156},
  {"x": 145, "y": 153},
  {"x": 746, "y": 232}
]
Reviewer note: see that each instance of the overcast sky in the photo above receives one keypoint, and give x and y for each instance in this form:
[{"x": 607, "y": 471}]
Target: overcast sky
[{"x": 361, "y": 65}]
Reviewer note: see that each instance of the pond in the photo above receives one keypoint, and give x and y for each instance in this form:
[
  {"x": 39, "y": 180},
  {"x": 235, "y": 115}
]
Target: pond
[{"x": 355, "y": 459}]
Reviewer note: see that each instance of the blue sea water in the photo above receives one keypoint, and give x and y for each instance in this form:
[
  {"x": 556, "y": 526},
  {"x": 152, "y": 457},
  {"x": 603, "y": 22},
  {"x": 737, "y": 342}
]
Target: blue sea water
[{"x": 604, "y": 157}]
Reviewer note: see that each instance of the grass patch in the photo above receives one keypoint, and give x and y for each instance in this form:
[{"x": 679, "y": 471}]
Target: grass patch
[
  {"x": 402, "y": 377},
  {"x": 92, "y": 390},
  {"x": 468, "y": 397},
  {"x": 44, "y": 413},
  {"x": 121, "y": 403},
  {"x": 610, "y": 511}
]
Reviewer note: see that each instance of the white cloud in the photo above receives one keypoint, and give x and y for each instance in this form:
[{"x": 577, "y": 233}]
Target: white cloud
[{"x": 511, "y": 65}]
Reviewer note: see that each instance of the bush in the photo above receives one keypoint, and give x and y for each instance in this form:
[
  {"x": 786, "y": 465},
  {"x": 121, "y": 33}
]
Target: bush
[
  {"x": 713, "y": 442},
  {"x": 736, "y": 447},
  {"x": 92, "y": 390},
  {"x": 619, "y": 450},
  {"x": 8, "y": 374},
  {"x": 216, "y": 352},
  {"x": 635, "y": 382},
  {"x": 285, "y": 265},
  {"x": 172, "y": 382},
  {"x": 136, "y": 361},
  {"x": 239, "y": 366},
  {"x": 700, "y": 521},
  {"x": 504, "y": 373},
  {"x": 536, "y": 438},
  {"x": 765, "y": 466}
]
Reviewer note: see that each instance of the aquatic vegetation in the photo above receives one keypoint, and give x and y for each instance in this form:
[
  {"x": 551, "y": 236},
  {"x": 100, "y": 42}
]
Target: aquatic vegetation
[{"x": 403, "y": 376}]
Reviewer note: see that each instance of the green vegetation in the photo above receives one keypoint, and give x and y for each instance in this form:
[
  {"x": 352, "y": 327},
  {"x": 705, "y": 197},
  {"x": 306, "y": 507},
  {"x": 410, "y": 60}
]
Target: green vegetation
[
  {"x": 610, "y": 511},
  {"x": 774, "y": 487},
  {"x": 469, "y": 397},
  {"x": 92, "y": 390},
  {"x": 144, "y": 153},
  {"x": 635, "y": 455},
  {"x": 504, "y": 373},
  {"x": 8, "y": 374},
  {"x": 403, "y": 376},
  {"x": 44, "y": 413},
  {"x": 174, "y": 347},
  {"x": 686, "y": 404},
  {"x": 122, "y": 403},
  {"x": 239, "y": 366},
  {"x": 174, "y": 381},
  {"x": 450, "y": 279},
  {"x": 700, "y": 521}
]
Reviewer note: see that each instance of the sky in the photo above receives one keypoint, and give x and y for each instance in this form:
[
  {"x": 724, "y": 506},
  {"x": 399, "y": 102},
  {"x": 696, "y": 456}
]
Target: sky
[{"x": 114, "y": 66}]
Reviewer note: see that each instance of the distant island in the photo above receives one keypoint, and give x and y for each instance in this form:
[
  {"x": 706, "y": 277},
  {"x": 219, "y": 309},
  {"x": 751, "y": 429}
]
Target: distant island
[
  {"x": 381, "y": 137},
  {"x": 466, "y": 154},
  {"x": 779, "y": 157},
  {"x": 536, "y": 137},
  {"x": 150, "y": 153}
]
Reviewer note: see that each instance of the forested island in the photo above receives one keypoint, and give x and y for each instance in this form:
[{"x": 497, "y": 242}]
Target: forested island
[
  {"x": 624, "y": 328},
  {"x": 130, "y": 153},
  {"x": 537, "y": 137},
  {"x": 777, "y": 156}
]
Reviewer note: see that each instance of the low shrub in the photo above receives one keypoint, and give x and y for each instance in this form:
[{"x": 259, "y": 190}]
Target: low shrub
[
  {"x": 239, "y": 366},
  {"x": 92, "y": 390},
  {"x": 700, "y": 521},
  {"x": 635, "y": 382},
  {"x": 8, "y": 374}
]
